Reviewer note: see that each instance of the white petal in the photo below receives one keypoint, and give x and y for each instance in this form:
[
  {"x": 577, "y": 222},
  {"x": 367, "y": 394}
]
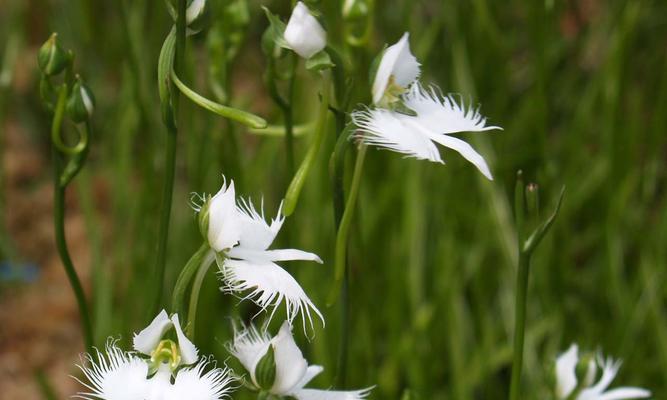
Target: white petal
[
  {"x": 118, "y": 376},
  {"x": 160, "y": 383},
  {"x": 290, "y": 364},
  {"x": 188, "y": 351},
  {"x": 609, "y": 371},
  {"x": 387, "y": 129},
  {"x": 623, "y": 393},
  {"x": 466, "y": 151},
  {"x": 442, "y": 114},
  {"x": 147, "y": 340},
  {"x": 255, "y": 232},
  {"x": 303, "y": 33},
  {"x": 398, "y": 61},
  {"x": 314, "y": 394},
  {"x": 194, "y": 9},
  {"x": 311, "y": 372},
  {"x": 249, "y": 346},
  {"x": 269, "y": 285},
  {"x": 223, "y": 221},
  {"x": 260, "y": 256},
  {"x": 193, "y": 384},
  {"x": 566, "y": 378}
]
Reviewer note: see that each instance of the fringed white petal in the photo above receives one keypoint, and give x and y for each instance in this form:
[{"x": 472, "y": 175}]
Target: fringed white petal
[
  {"x": 223, "y": 221},
  {"x": 188, "y": 351},
  {"x": 249, "y": 346},
  {"x": 311, "y": 372},
  {"x": 290, "y": 364},
  {"x": 268, "y": 285},
  {"x": 387, "y": 129},
  {"x": 442, "y": 114},
  {"x": 397, "y": 61},
  {"x": 147, "y": 340},
  {"x": 255, "y": 232},
  {"x": 314, "y": 394},
  {"x": 466, "y": 151},
  {"x": 117, "y": 376},
  {"x": 195, "y": 384},
  {"x": 566, "y": 378}
]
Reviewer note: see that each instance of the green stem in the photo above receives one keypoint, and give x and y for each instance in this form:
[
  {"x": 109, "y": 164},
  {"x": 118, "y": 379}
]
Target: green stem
[
  {"x": 170, "y": 166},
  {"x": 343, "y": 230},
  {"x": 59, "y": 225},
  {"x": 294, "y": 189},
  {"x": 519, "y": 323},
  {"x": 288, "y": 113},
  {"x": 194, "y": 293},
  {"x": 183, "y": 281}
]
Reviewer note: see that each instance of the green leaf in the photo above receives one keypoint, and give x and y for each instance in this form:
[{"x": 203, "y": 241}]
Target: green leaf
[
  {"x": 265, "y": 371},
  {"x": 537, "y": 235},
  {"x": 319, "y": 61},
  {"x": 273, "y": 39}
]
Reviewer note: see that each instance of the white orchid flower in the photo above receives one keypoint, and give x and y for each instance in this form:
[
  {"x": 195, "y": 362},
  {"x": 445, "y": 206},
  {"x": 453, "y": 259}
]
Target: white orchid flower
[
  {"x": 567, "y": 382},
  {"x": 288, "y": 371},
  {"x": 171, "y": 373},
  {"x": 242, "y": 235},
  {"x": 437, "y": 118},
  {"x": 397, "y": 70},
  {"x": 303, "y": 33}
]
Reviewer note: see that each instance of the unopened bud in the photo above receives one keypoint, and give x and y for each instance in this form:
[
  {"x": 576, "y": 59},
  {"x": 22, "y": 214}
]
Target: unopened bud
[
  {"x": 303, "y": 33},
  {"x": 52, "y": 58},
  {"x": 81, "y": 102},
  {"x": 355, "y": 9},
  {"x": 196, "y": 15}
]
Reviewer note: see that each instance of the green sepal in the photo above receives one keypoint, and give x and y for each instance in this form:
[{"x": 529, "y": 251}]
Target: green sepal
[
  {"x": 81, "y": 102},
  {"x": 319, "y": 62},
  {"x": 375, "y": 64},
  {"x": 165, "y": 64},
  {"x": 273, "y": 39},
  {"x": 202, "y": 217},
  {"x": 52, "y": 58},
  {"x": 265, "y": 371}
]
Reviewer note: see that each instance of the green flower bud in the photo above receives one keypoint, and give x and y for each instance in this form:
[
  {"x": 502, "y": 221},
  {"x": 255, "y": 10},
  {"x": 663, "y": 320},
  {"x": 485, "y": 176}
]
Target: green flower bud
[
  {"x": 52, "y": 58},
  {"x": 196, "y": 15},
  {"x": 265, "y": 371},
  {"x": 81, "y": 102},
  {"x": 355, "y": 9}
]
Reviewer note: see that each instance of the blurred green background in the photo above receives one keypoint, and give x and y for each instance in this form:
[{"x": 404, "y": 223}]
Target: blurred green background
[{"x": 580, "y": 88}]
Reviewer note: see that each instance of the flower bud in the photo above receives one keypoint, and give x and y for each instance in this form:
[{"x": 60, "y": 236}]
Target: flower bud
[
  {"x": 196, "y": 15},
  {"x": 52, "y": 58},
  {"x": 355, "y": 9},
  {"x": 81, "y": 103},
  {"x": 303, "y": 33}
]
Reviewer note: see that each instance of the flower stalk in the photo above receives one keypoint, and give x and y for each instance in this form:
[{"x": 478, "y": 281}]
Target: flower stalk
[{"x": 526, "y": 247}]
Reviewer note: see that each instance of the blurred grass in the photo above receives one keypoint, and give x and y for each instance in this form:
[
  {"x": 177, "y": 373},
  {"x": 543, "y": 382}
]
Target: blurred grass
[{"x": 581, "y": 90}]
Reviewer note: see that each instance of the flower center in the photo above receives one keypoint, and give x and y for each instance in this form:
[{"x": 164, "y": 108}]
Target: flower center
[{"x": 166, "y": 352}]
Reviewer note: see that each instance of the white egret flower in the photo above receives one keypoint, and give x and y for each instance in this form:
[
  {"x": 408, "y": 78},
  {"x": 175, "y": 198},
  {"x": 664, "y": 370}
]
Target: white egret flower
[
  {"x": 171, "y": 373},
  {"x": 397, "y": 70},
  {"x": 567, "y": 380},
  {"x": 242, "y": 235},
  {"x": 437, "y": 117},
  {"x": 276, "y": 365},
  {"x": 303, "y": 33}
]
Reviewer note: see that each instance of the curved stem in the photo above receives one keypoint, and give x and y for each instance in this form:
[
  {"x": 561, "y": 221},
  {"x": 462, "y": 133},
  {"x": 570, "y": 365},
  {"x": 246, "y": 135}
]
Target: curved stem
[
  {"x": 183, "y": 281},
  {"x": 194, "y": 293},
  {"x": 59, "y": 226}
]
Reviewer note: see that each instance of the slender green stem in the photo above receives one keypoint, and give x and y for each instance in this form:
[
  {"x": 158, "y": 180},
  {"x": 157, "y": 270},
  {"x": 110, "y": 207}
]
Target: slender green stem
[
  {"x": 288, "y": 113},
  {"x": 59, "y": 225},
  {"x": 208, "y": 260},
  {"x": 170, "y": 165},
  {"x": 183, "y": 281},
  {"x": 519, "y": 323}
]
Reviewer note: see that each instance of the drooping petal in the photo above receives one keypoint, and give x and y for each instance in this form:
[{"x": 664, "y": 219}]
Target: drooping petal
[
  {"x": 259, "y": 256},
  {"x": 223, "y": 221},
  {"x": 388, "y": 129},
  {"x": 314, "y": 394},
  {"x": 466, "y": 151},
  {"x": 255, "y": 232},
  {"x": 397, "y": 61},
  {"x": 147, "y": 340},
  {"x": 311, "y": 372},
  {"x": 290, "y": 364},
  {"x": 249, "y": 346},
  {"x": 442, "y": 114},
  {"x": 566, "y": 378},
  {"x": 188, "y": 351},
  {"x": 116, "y": 376},
  {"x": 303, "y": 32},
  {"x": 269, "y": 285},
  {"x": 193, "y": 384}
]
